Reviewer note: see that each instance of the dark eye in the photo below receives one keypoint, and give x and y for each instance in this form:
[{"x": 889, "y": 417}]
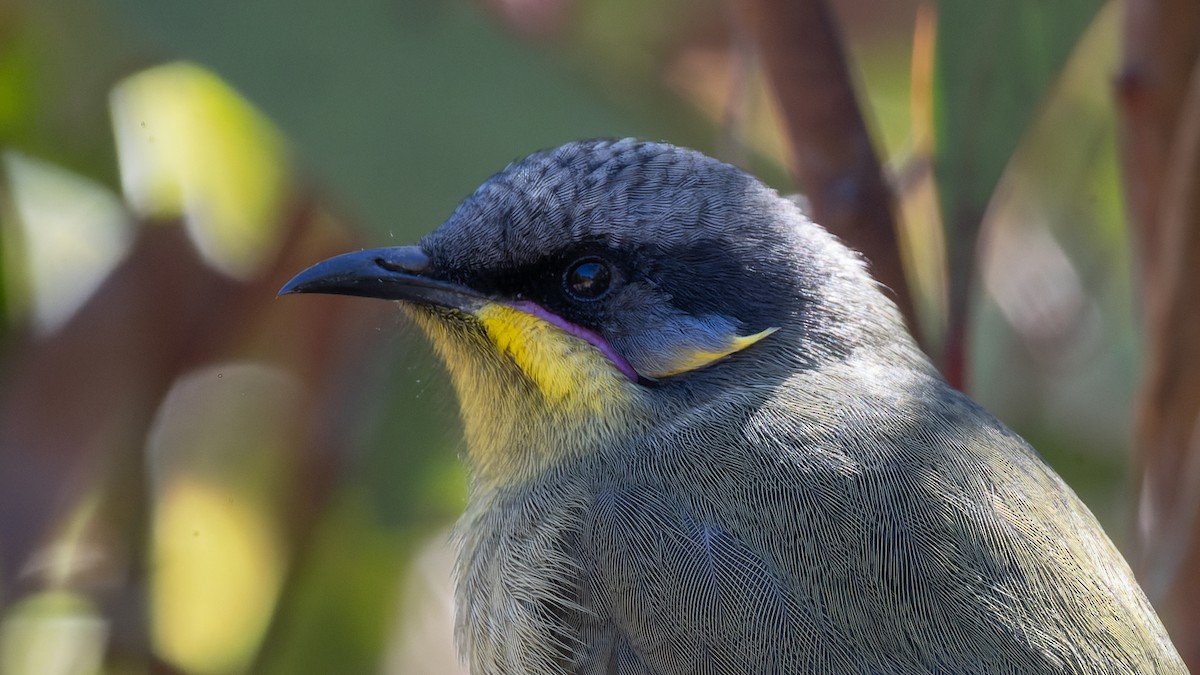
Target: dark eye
[{"x": 587, "y": 279}]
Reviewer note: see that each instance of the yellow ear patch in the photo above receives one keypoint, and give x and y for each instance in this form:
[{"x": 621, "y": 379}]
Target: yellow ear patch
[{"x": 688, "y": 361}]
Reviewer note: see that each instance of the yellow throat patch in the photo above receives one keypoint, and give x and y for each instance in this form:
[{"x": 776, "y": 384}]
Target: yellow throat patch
[
  {"x": 566, "y": 397},
  {"x": 568, "y": 394},
  {"x": 565, "y": 369}
]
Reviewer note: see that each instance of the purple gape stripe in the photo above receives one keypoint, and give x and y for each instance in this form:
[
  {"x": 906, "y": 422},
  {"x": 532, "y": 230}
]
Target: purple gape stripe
[{"x": 580, "y": 332}]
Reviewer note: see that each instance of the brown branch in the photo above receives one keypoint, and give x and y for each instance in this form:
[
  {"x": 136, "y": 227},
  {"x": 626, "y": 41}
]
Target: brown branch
[
  {"x": 1162, "y": 41},
  {"x": 832, "y": 157},
  {"x": 1168, "y": 427},
  {"x": 1159, "y": 99}
]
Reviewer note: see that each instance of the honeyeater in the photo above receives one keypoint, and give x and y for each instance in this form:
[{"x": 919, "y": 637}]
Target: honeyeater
[{"x": 701, "y": 440}]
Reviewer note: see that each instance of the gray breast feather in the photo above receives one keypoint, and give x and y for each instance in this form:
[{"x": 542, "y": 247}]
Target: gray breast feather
[{"x": 704, "y": 603}]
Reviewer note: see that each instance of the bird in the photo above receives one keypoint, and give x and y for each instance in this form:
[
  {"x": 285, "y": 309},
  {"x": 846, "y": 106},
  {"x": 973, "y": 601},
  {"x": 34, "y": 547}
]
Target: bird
[{"x": 700, "y": 439}]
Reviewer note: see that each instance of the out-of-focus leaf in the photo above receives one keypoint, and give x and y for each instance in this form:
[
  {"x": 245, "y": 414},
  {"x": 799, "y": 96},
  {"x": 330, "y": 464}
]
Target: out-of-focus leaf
[
  {"x": 72, "y": 232},
  {"x": 218, "y": 472},
  {"x": 923, "y": 241},
  {"x": 993, "y": 63},
  {"x": 52, "y": 633},
  {"x": 1063, "y": 174},
  {"x": 191, "y": 148}
]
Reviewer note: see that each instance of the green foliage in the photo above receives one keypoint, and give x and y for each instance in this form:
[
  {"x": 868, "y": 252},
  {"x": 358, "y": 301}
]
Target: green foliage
[{"x": 993, "y": 65}]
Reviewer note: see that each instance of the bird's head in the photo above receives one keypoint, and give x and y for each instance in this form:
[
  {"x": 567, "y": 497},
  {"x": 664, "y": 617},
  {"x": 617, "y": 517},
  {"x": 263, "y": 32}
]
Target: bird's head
[{"x": 591, "y": 290}]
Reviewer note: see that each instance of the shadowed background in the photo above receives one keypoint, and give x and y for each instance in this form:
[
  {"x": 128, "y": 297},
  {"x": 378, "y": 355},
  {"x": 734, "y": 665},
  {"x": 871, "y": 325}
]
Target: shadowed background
[{"x": 196, "y": 477}]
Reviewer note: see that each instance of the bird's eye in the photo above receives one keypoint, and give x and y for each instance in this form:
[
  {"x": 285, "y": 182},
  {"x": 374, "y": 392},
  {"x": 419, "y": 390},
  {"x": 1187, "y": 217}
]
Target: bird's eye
[{"x": 587, "y": 279}]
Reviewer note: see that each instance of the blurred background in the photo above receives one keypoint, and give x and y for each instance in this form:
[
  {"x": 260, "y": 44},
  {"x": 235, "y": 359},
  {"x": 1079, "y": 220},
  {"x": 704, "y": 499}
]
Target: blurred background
[{"x": 197, "y": 477}]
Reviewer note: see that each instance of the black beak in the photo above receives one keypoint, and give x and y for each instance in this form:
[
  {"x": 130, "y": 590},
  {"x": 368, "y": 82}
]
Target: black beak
[{"x": 395, "y": 273}]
